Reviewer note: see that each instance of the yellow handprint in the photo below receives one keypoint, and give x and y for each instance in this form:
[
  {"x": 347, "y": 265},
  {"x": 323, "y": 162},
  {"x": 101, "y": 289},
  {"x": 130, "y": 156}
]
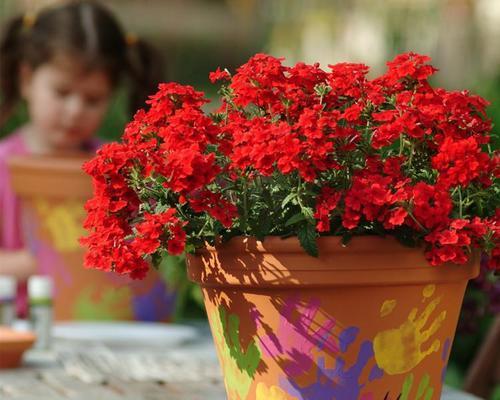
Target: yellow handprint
[
  {"x": 271, "y": 393},
  {"x": 387, "y": 308},
  {"x": 63, "y": 222},
  {"x": 399, "y": 350}
]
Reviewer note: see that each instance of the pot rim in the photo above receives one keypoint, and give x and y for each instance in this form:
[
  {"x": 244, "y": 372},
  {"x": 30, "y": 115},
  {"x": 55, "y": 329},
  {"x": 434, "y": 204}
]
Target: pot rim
[
  {"x": 50, "y": 177},
  {"x": 279, "y": 244},
  {"x": 365, "y": 260}
]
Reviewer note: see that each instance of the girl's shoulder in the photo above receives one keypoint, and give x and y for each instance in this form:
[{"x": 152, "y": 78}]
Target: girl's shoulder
[{"x": 12, "y": 145}]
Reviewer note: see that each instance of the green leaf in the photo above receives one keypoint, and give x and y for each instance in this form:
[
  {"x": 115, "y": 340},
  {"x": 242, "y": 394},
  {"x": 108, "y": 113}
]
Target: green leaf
[
  {"x": 346, "y": 238},
  {"x": 161, "y": 208},
  {"x": 156, "y": 259},
  {"x": 308, "y": 214},
  {"x": 261, "y": 227},
  {"x": 275, "y": 118},
  {"x": 287, "y": 199},
  {"x": 295, "y": 218},
  {"x": 307, "y": 237},
  {"x": 322, "y": 89},
  {"x": 145, "y": 208}
]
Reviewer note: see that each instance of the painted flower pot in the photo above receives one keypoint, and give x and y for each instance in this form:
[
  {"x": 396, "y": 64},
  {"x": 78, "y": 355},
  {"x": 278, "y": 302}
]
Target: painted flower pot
[
  {"x": 370, "y": 320},
  {"x": 53, "y": 192}
]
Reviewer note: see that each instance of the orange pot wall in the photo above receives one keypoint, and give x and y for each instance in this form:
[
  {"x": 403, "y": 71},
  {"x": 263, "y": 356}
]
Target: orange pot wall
[
  {"x": 368, "y": 321},
  {"x": 53, "y": 192}
]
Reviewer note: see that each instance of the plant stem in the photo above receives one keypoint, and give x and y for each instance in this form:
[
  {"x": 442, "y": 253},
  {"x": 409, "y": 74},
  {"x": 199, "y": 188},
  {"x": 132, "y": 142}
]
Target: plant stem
[
  {"x": 245, "y": 206},
  {"x": 299, "y": 200},
  {"x": 416, "y": 221},
  {"x": 202, "y": 228},
  {"x": 459, "y": 202},
  {"x": 412, "y": 148}
]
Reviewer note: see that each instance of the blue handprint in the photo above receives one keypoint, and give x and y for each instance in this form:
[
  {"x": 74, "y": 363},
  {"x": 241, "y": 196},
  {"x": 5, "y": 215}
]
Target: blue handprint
[{"x": 341, "y": 382}]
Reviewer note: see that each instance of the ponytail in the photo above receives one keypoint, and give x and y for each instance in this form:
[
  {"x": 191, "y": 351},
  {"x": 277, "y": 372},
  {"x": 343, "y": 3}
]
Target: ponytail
[
  {"x": 145, "y": 71},
  {"x": 10, "y": 58}
]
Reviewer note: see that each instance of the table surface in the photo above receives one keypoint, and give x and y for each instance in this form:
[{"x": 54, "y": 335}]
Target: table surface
[{"x": 94, "y": 371}]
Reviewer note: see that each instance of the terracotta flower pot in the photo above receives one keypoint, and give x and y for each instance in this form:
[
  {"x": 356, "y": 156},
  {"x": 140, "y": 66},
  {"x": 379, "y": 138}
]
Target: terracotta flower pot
[
  {"x": 13, "y": 344},
  {"x": 53, "y": 193},
  {"x": 368, "y": 321}
]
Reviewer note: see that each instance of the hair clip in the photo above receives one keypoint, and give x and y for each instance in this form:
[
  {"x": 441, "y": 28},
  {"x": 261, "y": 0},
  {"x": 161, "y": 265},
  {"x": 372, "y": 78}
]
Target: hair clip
[
  {"x": 131, "y": 39},
  {"x": 29, "y": 20}
]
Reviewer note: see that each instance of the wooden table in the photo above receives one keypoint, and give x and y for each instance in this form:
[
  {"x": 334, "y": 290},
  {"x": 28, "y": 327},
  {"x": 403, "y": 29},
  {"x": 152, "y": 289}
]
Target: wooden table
[{"x": 96, "y": 372}]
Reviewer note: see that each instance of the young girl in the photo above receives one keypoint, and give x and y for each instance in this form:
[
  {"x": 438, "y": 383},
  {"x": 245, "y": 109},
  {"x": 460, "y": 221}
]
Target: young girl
[{"x": 65, "y": 63}]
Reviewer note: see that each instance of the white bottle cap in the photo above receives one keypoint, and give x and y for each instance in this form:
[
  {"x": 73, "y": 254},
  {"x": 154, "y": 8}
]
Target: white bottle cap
[
  {"x": 40, "y": 287},
  {"x": 8, "y": 287}
]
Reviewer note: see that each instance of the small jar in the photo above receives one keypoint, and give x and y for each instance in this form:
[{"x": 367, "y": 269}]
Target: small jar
[
  {"x": 8, "y": 289},
  {"x": 40, "y": 290}
]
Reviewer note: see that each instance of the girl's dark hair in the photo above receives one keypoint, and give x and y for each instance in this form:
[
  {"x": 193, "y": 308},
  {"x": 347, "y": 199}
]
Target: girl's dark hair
[{"x": 86, "y": 30}]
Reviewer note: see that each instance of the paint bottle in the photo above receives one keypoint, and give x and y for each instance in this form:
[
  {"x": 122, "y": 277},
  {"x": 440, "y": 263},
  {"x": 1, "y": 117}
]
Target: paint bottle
[
  {"x": 40, "y": 309},
  {"x": 7, "y": 300}
]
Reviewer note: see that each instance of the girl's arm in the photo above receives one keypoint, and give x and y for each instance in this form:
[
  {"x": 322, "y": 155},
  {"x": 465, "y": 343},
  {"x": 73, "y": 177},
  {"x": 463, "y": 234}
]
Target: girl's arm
[{"x": 19, "y": 263}]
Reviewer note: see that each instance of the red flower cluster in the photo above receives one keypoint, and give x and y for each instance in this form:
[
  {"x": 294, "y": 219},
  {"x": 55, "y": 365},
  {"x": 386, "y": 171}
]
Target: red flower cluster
[
  {"x": 157, "y": 228},
  {"x": 293, "y": 149}
]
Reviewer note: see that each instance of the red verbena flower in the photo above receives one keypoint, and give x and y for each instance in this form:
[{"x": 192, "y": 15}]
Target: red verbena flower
[{"x": 298, "y": 150}]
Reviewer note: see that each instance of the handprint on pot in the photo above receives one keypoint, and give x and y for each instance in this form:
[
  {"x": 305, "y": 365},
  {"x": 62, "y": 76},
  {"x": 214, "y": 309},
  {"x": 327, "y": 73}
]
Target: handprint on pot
[
  {"x": 64, "y": 222},
  {"x": 50, "y": 261},
  {"x": 239, "y": 365},
  {"x": 342, "y": 381},
  {"x": 424, "y": 391},
  {"x": 399, "y": 350},
  {"x": 156, "y": 304},
  {"x": 271, "y": 393},
  {"x": 299, "y": 332}
]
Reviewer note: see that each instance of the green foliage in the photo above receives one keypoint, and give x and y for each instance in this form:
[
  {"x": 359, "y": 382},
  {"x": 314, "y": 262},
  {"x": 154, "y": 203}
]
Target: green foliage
[
  {"x": 307, "y": 236},
  {"x": 116, "y": 118},
  {"x": 490, "y": 90},
  {"x": 189, "y": 298},
  {"x": 496, "y": 393},
  {"x": 454, "y": 376},
  {"x": 17, "y": 119},
  {"x": 467, "y": 342}
]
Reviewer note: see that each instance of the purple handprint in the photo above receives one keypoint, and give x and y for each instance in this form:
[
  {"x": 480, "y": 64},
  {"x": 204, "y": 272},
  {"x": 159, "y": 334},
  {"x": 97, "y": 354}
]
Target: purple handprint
[
  {"x": 340, "y": 382},
  {"x": 155, "y": 305},
  {"x": 299, "y": 334},
  {"x": 49, "y": 261}
]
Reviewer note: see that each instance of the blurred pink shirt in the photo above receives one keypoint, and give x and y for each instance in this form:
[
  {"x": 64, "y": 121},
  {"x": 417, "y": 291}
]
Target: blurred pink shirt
[
  {"x": 10, "y": 217},
  {"x": 10, "y": 234}
]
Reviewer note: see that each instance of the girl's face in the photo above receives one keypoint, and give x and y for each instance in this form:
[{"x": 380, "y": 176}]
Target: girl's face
[{"x": 66, "y": 103}]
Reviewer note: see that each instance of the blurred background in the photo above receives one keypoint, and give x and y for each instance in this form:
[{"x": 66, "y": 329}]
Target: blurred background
[{"x": 197, "y": 36}]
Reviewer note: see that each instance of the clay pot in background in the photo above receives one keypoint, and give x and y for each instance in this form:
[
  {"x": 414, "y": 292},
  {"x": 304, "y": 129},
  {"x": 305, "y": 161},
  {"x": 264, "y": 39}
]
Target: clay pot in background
[
  {"x": 13, "y": 344},
  {"x": 53, "y": 191}
]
